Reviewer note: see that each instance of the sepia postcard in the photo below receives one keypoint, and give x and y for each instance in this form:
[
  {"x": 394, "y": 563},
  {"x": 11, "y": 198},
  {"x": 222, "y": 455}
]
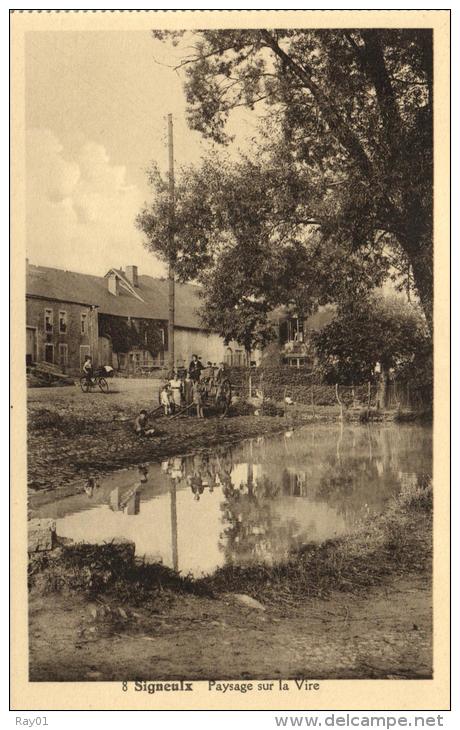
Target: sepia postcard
[{"x": 230, "y": 360}]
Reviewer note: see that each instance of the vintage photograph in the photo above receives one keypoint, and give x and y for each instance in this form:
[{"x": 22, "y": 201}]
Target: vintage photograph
[{"x": 229, "y": 353}]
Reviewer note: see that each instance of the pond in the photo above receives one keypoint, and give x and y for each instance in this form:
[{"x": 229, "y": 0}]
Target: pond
[{"x": 250, "y": 503}]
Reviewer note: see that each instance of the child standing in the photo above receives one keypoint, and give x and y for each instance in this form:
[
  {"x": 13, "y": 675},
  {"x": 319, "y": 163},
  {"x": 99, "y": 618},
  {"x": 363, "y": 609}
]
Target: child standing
[
  {"x": 175, "y": 389},
  {"x": 197, "y": 398},
  {"x": 165, "y": 399}
]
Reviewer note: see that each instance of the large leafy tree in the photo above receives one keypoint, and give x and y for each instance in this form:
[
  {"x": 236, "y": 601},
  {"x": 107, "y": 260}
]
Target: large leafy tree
[
  {"x": 348, "y": 113},
  {"x": 241, "y": 231},
  {"x": 376, "y": 329}
]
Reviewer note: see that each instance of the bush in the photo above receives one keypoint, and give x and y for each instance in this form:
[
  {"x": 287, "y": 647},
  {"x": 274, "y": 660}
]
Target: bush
[
  {"x": 96, "y": 569},
  {"x": 376, "y": 329}
]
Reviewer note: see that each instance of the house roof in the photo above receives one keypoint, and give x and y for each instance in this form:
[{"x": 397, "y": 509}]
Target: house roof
[{"x": 149, "y": 302}]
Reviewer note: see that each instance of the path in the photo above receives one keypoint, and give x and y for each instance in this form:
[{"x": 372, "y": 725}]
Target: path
[
  {"x": 121, "y": 389},
  {"x": 383, "y": 634}
]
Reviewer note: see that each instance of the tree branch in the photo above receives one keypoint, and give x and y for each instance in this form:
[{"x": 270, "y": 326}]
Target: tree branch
[
  {"x": 376, "y": 70},
  {"x": 338, "y": 126}
]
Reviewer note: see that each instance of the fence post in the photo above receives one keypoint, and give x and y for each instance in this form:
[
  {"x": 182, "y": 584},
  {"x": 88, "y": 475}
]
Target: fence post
[
  {"x": 368, "y": 398},
  {"x": 339, "y": 401},
  {"x": 313, "y": 399}
]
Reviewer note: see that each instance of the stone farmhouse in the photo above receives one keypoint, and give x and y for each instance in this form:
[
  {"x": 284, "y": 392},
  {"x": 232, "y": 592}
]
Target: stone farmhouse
[{"x": 67, "y": 315}]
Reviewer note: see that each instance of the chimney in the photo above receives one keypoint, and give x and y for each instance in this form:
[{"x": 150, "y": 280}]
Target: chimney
[
  {"x": 113, "y": 284},
  {"x": 132, "y": 276}
]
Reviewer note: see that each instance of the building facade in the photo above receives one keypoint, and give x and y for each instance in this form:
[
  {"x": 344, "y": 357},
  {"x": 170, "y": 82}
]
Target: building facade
[
  {"x": 293, "y": 345},
  {"x": 71, "y": 315},
  {"x": 60, "y": 333}
]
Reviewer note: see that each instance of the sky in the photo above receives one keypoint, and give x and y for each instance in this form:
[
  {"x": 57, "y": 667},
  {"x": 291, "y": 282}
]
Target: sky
[{"x": 96, "y": 108}]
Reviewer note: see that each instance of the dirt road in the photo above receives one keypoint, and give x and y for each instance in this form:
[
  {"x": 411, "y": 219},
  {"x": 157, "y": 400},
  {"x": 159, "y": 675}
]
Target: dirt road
[
  {"x": 129, "y": 390},
  {"x": 385, "y": 633}
]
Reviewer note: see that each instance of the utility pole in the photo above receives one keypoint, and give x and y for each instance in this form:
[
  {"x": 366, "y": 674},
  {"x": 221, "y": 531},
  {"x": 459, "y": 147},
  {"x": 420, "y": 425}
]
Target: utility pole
[{"x": 171, "y": 272}]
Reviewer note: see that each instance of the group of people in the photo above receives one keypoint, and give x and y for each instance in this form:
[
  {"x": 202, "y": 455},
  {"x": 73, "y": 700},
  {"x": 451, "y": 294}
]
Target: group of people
[
  {"x": 186, "y": 389},
  {"x": 181, "y": 390}
]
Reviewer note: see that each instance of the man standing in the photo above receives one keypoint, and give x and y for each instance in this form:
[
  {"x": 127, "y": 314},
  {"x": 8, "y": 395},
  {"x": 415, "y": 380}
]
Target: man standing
[{"x": 195, "y": 368}]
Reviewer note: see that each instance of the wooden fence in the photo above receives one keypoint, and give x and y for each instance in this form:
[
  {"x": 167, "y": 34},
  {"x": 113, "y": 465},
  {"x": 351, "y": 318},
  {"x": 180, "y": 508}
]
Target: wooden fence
[{"x": 306, "y": 388}]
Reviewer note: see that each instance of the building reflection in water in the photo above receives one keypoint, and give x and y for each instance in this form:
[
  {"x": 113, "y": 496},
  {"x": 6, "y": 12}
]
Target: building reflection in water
[{"x": 254, "y": 502}]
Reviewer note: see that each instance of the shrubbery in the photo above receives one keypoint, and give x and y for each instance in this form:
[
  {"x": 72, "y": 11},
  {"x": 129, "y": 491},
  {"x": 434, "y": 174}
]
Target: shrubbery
[{"x": 376, "y": 329}]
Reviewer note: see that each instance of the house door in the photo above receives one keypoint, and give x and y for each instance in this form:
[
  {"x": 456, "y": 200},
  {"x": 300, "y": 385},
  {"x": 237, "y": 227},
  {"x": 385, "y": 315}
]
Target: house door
[
  {"x": 49, "y": 353},
  {"x": 63, "y": 356},
  {"x": 31, "y": 345}
]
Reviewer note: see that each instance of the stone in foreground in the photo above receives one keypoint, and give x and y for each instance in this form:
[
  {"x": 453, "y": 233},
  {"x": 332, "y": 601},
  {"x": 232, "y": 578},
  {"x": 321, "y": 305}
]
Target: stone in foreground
[
  {"x": 41, "y": 535},
  {"x": 248, "y": 601}
]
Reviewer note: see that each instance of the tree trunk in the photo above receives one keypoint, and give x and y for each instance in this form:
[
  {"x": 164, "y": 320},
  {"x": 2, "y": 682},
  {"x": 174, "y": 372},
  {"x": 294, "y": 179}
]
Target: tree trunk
[{"x": 422, "y": 269}]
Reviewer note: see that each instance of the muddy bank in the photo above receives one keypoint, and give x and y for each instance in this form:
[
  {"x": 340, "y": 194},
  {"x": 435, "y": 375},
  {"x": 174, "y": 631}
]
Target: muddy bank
[{"x": 67, "y": 445}]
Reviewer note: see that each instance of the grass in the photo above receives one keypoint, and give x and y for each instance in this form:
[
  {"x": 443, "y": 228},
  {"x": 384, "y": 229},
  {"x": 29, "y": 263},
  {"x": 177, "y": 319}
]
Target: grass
[
  {"x": 397, "y": 542},
  {"x": 407, "y": 415}
]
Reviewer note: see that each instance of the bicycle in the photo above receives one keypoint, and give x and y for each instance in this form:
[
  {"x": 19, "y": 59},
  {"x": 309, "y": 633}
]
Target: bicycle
[{"x": 86, "y": 385}]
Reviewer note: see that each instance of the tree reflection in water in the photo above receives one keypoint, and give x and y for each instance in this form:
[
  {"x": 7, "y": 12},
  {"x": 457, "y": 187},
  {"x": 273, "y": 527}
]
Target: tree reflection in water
[
  {"x": 253, "y": 531},
  {"x": 278, "y": 493}
]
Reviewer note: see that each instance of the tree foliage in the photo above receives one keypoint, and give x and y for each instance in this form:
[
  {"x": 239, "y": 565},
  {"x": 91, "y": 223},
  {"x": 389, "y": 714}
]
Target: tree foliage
[
  {"x": 348, "y": 130},
  {"x": 127, "y": 335},
  {"x": 374, "y": 330},
  {"x": 239, "y": 231}
]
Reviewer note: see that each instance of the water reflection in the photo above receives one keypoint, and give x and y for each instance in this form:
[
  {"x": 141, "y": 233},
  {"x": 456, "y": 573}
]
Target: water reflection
[{"x": 251, "y": 503}]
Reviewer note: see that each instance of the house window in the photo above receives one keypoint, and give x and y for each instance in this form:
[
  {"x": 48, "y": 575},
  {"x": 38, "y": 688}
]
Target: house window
[
  {"x": 228, "y": 356},
  {"x": 62, "y": 322},
  {"x": 84, "y": 317},
  {"x": 49, "y": 353},
  {"x": 48, "y": 321},
  {"x": 63, "y": 356},
  {"x": 295, "y": 330}
]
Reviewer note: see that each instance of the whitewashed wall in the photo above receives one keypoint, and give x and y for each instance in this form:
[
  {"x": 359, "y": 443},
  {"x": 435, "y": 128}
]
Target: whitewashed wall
[{"x": 207, "y": 346}]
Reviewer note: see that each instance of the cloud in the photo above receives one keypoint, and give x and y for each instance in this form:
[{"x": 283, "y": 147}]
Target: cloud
[{"x": 80, "y": 208}]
